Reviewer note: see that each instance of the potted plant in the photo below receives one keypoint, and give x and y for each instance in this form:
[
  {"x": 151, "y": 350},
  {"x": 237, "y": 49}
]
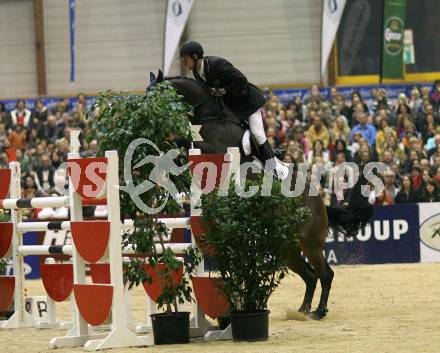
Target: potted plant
[
  {"x": 252, "y": 235},
  {"x": 141, "y": 127},
  {"x": 163, "y": 268}
]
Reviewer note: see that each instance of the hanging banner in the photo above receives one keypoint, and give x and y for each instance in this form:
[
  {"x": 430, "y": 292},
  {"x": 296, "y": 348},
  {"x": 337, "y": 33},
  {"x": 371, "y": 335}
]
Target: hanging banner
[
  {"x": 392, "y": 41},
  {"x": 72, "y": 39},
  {"x": 176, "y": 16},
  {"x": 332, "y": 11}
]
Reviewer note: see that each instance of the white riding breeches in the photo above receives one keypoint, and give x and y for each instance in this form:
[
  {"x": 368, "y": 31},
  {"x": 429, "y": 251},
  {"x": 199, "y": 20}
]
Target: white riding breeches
[{"x": 257, "y": 127}]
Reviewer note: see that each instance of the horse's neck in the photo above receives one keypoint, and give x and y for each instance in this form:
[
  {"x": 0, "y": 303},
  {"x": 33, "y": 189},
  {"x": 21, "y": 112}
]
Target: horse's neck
[{"x": 192, "y": 91}]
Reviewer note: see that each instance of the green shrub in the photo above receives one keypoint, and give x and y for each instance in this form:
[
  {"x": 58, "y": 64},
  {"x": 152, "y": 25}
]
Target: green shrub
[{"x": 252, "y": 236}]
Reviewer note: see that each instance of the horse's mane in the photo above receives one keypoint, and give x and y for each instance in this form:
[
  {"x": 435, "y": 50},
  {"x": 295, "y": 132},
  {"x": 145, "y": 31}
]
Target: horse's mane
[{"x": 168, "y": 78}]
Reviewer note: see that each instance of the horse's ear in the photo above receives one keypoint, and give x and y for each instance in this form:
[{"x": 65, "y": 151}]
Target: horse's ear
[
  {"x": 152, "y": 78},
  {"x": 160, "y": 76}
]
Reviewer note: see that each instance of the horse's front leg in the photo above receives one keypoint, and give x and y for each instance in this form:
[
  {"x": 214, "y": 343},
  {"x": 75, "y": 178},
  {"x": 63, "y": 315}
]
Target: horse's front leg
[
  {"x": 325, "y": 275},
  {"x": 298, "y": 265}
]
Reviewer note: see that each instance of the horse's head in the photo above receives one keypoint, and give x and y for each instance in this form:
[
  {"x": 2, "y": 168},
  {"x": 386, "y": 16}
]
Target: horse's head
[{"x": 155, "y": 79}]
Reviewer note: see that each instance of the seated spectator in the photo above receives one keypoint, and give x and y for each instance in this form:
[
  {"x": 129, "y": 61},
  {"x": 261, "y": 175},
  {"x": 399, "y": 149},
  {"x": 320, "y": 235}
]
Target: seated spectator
[
  {"x": 390, "y": 184},
  {"x": 435, "y": 96},
  {"x": 403, "y": 119},
  {"x": 424, "y": 164},
  {"x": 41, "y": 112},
  {"x": 20, "y": 116},
  {"x": 32, "y": 139},
  {"x": 429, "y": 129},
  {"x": 383, "y": 199},
  {"x": 318, "y": 132},
  {"x": 398, "y": 153},
  {"x": 430, "y": 192},
  {"x": 45, "y": 174},
  {"x": 436, "y": 175},
  {"x": 318, "y": 151},
  {"x": 415, "y": 102},
  {"x": 357, "y": 106},
  {"x": 364, "y": 155},
  {"x": 55, "y": 159},
  {"x": 426, "y": 175},
  {"x": 24, "y": 161},
  {"x": 406, "y": 193},
  {"x": 340, "y": 130},
  {"x": 17, "y": 137},
  {"x": 50, "y": 131},
  {"x": 4, "y": 116},
  {"x": 31, "y": 183},
  {"x": 298, "y": 136},
  {"x": 340, "y": 147},
  {"x": 368, "y": 131},
  {"x": 313, "y": 95}
]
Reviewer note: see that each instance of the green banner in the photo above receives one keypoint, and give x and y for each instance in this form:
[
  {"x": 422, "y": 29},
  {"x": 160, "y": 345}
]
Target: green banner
[{"x": 393, "y": 34}]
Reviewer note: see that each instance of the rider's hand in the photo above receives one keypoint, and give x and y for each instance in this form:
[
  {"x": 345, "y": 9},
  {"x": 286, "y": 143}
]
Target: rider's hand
[{"x": 217, "y": 92}]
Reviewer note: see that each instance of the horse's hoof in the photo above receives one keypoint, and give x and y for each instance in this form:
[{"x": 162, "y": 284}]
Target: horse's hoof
[
  {"x": 304, "y": 310},
  {"x": 318, "y": 314}
]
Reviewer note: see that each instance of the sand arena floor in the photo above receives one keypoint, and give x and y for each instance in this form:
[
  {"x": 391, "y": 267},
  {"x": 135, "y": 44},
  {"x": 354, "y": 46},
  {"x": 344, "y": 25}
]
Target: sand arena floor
[{"x": 373, "y": 309}]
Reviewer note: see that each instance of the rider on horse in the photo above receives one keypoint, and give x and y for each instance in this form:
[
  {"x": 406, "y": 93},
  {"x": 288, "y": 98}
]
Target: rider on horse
[{"x": 223, "y": 79}]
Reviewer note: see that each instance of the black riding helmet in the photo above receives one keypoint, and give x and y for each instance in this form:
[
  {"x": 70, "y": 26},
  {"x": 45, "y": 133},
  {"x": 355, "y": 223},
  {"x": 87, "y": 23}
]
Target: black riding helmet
[{"x": 190, "y": 48}]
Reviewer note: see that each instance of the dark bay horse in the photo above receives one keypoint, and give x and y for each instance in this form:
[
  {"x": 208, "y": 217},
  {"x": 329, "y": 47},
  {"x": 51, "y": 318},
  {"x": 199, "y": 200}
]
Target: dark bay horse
[{"x": 219, "y": 134}]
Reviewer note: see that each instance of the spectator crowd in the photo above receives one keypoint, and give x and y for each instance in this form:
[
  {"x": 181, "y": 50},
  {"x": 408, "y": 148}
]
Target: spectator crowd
[
  {"x": 41, "y": 139},
  {"x": 404, "y": 134}
]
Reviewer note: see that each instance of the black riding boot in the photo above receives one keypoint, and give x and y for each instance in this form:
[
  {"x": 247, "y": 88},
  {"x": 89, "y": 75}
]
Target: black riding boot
[{"x": 265, "y": 151}]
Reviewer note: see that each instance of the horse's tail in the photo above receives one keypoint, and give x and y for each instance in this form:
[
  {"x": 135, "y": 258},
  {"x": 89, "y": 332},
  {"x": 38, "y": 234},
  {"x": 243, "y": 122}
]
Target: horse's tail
[{"x": 351, "y": 219}]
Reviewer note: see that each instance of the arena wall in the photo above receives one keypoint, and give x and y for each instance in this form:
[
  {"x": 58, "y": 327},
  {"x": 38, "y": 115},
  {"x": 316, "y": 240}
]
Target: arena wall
[
  {"x": 17, "y": 49},
  {"x": 119, "y": 42}
]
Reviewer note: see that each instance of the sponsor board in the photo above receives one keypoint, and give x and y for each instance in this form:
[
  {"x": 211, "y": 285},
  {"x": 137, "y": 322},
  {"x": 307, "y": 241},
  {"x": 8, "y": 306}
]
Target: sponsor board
[
  {"x": 429, "y": 214},
  {"x": 391, "y": 237}
]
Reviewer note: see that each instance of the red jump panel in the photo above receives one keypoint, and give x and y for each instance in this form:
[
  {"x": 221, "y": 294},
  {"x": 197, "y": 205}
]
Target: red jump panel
[
  {"x": 100, "y": 273},
  {"x": 88, "y": 176},
  {"x": 91, "y": 239},
  {"x": 6, "y": 230},
  {"x": 212, "y": 168},
  {"x": 209, "y": 296},
  {"x": 7, "y": 288},
  {"x": 198, "y": 233},
  {"x": 5, "y": 182},
  {"x": 94, "y": 302},
  {"x": 154, "y": 290},
  {"x": 57, "y": 280}
]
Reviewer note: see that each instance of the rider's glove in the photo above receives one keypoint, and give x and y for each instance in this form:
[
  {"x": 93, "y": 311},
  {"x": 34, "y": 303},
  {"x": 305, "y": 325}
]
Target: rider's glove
[{"x": 217, "y": 92}]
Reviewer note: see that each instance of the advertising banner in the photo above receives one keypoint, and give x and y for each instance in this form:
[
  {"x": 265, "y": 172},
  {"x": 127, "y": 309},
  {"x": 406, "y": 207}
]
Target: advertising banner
[
  {"x": 429, "y": 214},
  {"x": 392, "y": 41},
  {"x": 332, "y": 11},
  {"x": 392, "y": 237},
  {"x": 177, "y": 14}
]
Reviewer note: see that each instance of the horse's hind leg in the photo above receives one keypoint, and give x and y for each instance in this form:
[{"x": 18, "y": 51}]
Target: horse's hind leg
[
  {"x": 325, "y": 275},
  {"x": 298, "y": 265}
]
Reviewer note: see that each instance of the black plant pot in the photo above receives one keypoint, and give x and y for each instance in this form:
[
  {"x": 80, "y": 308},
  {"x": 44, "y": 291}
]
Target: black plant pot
[
  {"x": 170, "y": 328},
  {"x": 250, "y": 327}
]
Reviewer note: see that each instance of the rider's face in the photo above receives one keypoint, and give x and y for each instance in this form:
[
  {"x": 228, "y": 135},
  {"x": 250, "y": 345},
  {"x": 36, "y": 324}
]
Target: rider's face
[{"x": 188, "y": 62}]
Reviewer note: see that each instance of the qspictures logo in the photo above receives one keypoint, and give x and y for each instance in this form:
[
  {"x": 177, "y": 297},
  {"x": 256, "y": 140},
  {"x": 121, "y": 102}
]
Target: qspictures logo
[{"x": 393, "y": 36}]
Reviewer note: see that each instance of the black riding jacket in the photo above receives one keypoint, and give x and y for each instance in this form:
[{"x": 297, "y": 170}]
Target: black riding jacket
[{"x": 240, "y": 96}]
